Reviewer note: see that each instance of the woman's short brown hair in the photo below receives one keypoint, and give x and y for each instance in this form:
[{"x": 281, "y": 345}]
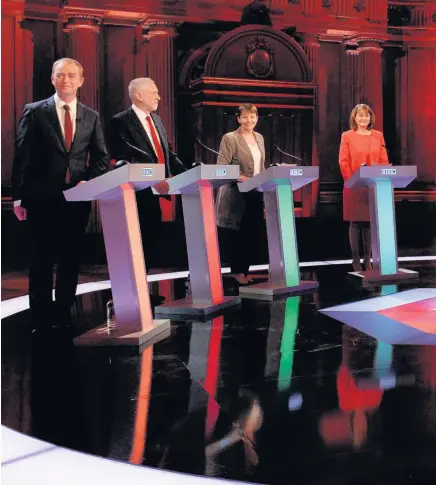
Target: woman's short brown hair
[
  {"x": 247, "y": 107},
  {"x": 364, "y": 107}
]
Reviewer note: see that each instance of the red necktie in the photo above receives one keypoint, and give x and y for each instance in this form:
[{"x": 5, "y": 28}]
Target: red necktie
[
  {"x": 68, "y": 128},
  {"x": 156, "y": 142},
  {"x": 166, "y": 206}
]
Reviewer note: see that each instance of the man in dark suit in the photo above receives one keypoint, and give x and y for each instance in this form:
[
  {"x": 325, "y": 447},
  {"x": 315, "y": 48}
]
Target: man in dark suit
[
  {"x": 59, "y": 144},
  {"x": 138, "y": 136}
]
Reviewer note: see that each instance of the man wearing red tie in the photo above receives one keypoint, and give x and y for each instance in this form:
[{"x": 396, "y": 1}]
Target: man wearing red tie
[
  {"x": 59, "y": 144},
  {"x": 138, "y": 136}
]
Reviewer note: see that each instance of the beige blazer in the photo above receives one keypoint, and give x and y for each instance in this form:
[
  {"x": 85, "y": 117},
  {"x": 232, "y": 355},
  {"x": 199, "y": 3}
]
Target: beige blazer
[{"x": 230, "y": 203}]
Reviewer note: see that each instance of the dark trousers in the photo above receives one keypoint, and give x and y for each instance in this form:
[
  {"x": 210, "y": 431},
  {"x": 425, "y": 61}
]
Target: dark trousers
[
  {"x": 55, "y": 231},
  {"x": 243, "y": 245},
  {"x": 150, "y": 222}
]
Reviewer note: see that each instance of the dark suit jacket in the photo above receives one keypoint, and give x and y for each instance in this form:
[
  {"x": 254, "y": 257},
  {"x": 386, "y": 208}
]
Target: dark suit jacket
[
  {"x": 127, "y": 124},
  {"x": 41, "y": 158}
]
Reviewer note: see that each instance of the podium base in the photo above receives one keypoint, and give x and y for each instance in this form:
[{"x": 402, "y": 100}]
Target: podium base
[
  {"x": 268, "y": 290},
  {"x": 373, "y": 277},
  {"x": 100, "y": 337},
  {"x": 189, "y": 307}
]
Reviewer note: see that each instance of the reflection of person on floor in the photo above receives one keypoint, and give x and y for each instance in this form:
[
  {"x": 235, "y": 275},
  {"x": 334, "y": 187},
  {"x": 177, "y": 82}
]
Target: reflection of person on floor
[
  {"x": 349, "y": 425},
  {"x": 243, "y": 429},
  {"x": 223, "y": 456}
]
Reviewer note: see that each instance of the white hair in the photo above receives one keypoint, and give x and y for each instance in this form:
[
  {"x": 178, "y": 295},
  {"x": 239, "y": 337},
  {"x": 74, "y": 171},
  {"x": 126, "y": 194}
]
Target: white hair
[{"x": 136, "y": 84}]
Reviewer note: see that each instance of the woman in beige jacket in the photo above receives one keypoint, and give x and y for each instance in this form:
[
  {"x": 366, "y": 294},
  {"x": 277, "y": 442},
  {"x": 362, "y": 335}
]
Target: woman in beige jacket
[{"x": 240, "y": 215}]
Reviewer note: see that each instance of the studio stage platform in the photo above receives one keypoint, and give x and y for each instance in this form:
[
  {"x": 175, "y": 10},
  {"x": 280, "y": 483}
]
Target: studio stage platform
[{"x": 312, "y": 389}]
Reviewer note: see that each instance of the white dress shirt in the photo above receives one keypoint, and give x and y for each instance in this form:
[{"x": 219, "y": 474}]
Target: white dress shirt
[
  {"x": 61, "y": 117},
  {"x": 257, "y": 157},
  {"x": 61, "y": 112},
  {"x": 142, "y": 115}
]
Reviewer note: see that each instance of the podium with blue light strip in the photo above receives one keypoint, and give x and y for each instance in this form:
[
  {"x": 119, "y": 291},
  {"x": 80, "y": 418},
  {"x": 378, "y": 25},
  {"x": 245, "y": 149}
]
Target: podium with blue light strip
[
  {"x": 196, "y": 188},
  {"x": 115, "y": 192},
  {"x": 278, "y": 184},
  {"x": 381, "y": 181}
]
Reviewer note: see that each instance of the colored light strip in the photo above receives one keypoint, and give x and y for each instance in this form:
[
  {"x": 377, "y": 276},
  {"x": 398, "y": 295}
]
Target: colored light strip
[
  {"x": 142, "y": 406},
  {"x": 285, "y": 204},
  {"x": 288, "y": 342},
  {"x": 212, "y": 371},
  {"x": 385, "y": 210},
  {"x": 211, "y": 240}
]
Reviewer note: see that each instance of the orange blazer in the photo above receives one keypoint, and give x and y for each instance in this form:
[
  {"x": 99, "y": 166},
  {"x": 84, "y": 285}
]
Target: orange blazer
[{"x": 357, "y": 149}]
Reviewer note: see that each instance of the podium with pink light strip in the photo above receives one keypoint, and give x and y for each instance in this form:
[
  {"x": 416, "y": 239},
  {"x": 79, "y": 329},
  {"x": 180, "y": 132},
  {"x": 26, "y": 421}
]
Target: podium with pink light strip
[
  {"x": 196, "y": 188},
  {"x": 115, "y": 192}
]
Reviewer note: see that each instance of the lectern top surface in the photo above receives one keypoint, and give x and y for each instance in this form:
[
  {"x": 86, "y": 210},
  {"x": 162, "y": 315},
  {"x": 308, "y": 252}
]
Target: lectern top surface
[
  {"x": 399, "y": 176},
  {"x": 296, "y": 176},
  {"x": 139, "y": 175},
  {"x": 214, "y": 175}
]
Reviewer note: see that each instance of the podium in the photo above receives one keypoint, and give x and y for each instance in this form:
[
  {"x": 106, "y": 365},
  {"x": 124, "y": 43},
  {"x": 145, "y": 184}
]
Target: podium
[
  {"x": 115, "y": 192},
  {"x": 196, "y": 188},
  {"x": 277, "y": 184},
  {"x": 381, "y": 180}
]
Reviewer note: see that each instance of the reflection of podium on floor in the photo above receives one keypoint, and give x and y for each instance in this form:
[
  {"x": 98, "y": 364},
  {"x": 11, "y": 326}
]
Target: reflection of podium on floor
[
  {"x": 281, "y": 340},
  {"x": 196, "y": 188},
  {"x": 381, "y": 181},
  {"x": 277, "y": 184},
  {"x": 115, "y": 192}
]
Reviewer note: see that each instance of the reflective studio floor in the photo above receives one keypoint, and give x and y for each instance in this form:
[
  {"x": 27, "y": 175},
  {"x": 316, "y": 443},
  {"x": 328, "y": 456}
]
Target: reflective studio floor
[{"x": 268, "y": 392}]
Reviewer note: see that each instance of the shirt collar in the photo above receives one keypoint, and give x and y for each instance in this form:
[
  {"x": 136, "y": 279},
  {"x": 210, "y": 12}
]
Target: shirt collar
[
  {"x": 139, "y": 112},
  {"x": 61, "y": 104}
]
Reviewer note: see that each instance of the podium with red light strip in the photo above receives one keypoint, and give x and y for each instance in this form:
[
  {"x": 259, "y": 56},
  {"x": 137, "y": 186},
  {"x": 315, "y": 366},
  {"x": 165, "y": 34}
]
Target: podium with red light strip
[
  {"x": 277, "y": 184},
  {"x": 196, "y": 188},
  {"x": 115, "y": 192}
]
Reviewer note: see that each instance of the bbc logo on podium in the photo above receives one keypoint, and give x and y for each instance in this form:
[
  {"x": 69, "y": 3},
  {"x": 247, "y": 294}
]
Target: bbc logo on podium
[
  {"x": 296, "y": 172},
  {"x": 221, "y": 172},
  {"x": 147, "y": 172},
  {"x": 389, "y": 171}
]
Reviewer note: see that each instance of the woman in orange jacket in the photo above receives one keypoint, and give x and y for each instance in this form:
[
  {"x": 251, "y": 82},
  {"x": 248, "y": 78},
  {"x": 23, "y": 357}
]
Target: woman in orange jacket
[{"x": 361, "y": 145}]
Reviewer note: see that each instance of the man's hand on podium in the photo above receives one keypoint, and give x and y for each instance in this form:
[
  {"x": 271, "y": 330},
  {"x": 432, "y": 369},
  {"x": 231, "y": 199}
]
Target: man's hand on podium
[
  {"x": 242, "y": 178},
  {"x": 162, "y": 188}
]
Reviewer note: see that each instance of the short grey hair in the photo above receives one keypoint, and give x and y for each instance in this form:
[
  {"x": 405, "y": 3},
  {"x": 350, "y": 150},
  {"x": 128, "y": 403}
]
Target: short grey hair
[{"x": 135, "y": 85}]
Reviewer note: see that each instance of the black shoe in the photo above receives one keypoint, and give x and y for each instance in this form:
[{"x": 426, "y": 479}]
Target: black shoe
[{"x": 156, "y": 299}]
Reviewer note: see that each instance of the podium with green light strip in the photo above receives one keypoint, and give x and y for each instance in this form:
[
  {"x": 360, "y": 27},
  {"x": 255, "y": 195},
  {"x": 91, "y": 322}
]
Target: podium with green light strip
[
  {"x": 278, "y": 184},
  {"x": 381, "y": 181}
]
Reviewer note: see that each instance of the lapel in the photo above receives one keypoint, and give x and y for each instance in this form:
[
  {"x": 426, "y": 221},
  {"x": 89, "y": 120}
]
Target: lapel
[
  {"x": 244, "y": 145},
  {"x": 138, "y": 130},
  {"x": 54, "y": 122}
]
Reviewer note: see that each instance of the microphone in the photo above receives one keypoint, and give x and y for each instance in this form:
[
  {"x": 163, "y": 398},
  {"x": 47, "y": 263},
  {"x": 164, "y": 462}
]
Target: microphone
[
  {"x": 138, "y": 150},
  {"x": 287, "y": 154},
  {"x": 213, "y": 151},
  {"x": 121, "y": 163}
]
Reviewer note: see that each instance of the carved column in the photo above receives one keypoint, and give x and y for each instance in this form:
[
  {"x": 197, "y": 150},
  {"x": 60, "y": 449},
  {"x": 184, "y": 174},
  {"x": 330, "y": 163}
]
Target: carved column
[
  {"x": 352, "y": 84},
  {"x": 160, "y": 35},
  {"x": 83, "y": 45},
  {"x": 311, "y": 47},
  {"x": 17, "y": 78},
  {"x": 370, "y": 77}
]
